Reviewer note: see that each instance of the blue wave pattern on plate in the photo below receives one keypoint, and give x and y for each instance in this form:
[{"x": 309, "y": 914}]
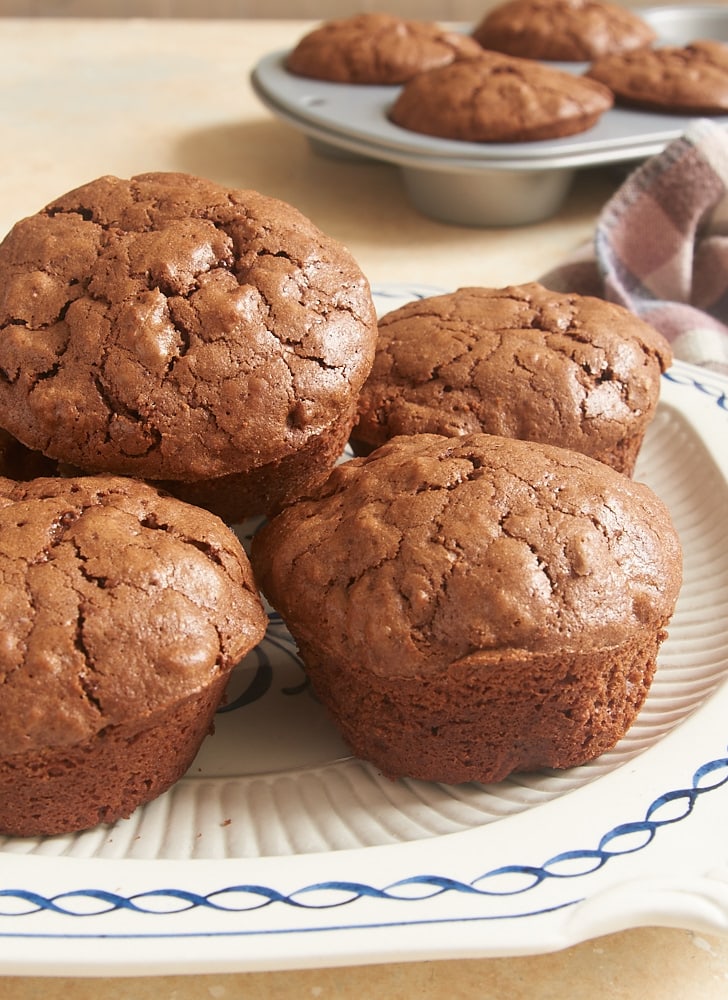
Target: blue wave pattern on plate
[
  {"x": 712, "y": 388},
  {"x": 616, "y": 842}
]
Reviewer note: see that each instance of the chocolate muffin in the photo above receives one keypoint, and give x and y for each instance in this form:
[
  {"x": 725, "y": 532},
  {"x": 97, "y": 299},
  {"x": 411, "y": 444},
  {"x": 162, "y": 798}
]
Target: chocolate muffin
[
  {"x": 690, "y": 79},
  {"x": 123, "y": 613},
  {"x": 497, "y": 98},
  {"x": 519, "y": 361},
  {"x": 562, "y": 30},
  {"x": 376, "y": 49},
  {"x": 172, "y": 329},
  {"x": 469, "y": 607}
]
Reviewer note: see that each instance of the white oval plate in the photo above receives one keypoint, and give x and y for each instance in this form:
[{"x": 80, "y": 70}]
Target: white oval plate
[{"x": 278, "y": 850}]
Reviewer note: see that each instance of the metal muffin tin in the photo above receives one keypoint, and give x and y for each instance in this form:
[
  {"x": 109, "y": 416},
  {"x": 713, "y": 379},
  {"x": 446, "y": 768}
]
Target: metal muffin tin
[{"x": 479, "y": 184}]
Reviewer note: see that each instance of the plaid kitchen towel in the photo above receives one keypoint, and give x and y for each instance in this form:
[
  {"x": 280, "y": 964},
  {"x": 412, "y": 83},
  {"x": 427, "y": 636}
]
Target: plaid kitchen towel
[{"x": 660, "y": 247}]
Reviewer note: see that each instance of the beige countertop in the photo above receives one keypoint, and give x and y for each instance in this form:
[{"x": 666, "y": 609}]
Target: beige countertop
[{"x": 83, "y": 98}]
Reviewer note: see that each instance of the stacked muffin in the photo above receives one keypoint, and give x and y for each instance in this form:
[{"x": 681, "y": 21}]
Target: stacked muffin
[
  {"x": 470, "y": 606},
  {"x": 520, "y": 361},
  {"x": 123, "y": 613},
  {"x": 213, "y": 341}
]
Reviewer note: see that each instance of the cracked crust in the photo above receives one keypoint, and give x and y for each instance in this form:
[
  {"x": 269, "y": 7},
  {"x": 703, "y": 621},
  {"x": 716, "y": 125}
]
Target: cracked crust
[
  {"x": 691, "y": 78},
  {"x": 565, "y": 30},
  {"x": 376, "y": 49},
  {"x": 470, "y": 606},
  {"x": 168, "y": 328},
  {"x": 498, "y": 98},
  {"x": 123, "y": 613},
  {"x": 520, "y": 361}
]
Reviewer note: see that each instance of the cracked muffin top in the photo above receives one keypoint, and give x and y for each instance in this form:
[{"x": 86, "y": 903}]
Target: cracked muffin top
[
  {"x": 493, "y": 97},
  {"x": 376, "y": 49},
  {"x": 167, "y": 327},
  {"x": 565, "y": 30},
  {"x": 691, "y": 78},
  {"x": 520, "y": 361},
  {"x": 432, "y": 549},
  {"x": 117, "y": 603}
]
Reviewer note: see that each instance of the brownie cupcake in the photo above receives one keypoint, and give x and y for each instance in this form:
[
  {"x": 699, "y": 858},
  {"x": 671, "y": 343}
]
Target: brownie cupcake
[
  {"x": 690, "y": 79},
  {"x": 498, "y": 98},
  {"x": 376, "y": 49},
  {"x": 562, "y": 30},
  {"x": 174, "y": 330},
  {"x": 521, "y": 362},
  {"x": 470, "y": 607},
  {"x": 123, "y": 613}
]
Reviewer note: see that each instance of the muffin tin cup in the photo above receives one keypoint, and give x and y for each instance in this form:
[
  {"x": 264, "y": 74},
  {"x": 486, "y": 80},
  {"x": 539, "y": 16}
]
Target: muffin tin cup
[
  {"x": 487, "y": 197},
  {"x": 479, "y": 184}
]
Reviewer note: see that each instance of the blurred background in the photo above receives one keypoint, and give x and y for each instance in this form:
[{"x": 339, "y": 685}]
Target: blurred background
[{"x": 442, "y": 10}]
